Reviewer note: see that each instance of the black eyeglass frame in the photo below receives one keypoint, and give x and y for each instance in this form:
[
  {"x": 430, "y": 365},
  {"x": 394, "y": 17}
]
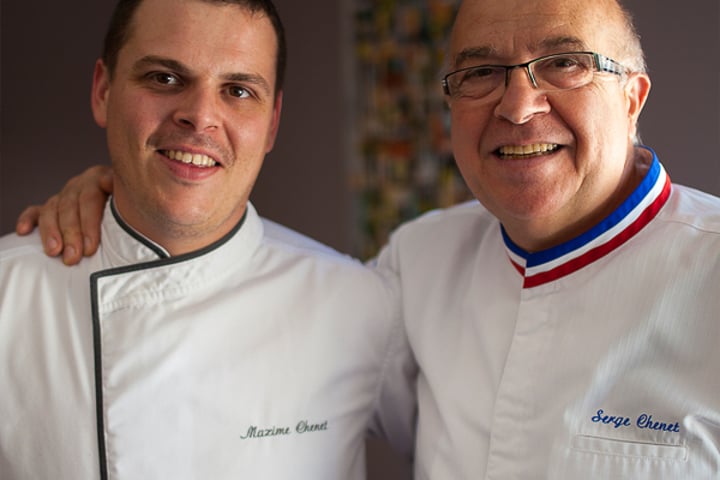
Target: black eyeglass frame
[{"x": 600, "y": 62}]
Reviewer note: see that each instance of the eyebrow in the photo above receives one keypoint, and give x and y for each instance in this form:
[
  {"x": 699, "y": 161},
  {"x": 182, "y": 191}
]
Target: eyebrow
[
  {"x": 549, "y": 44},
  {"x": 565, "y": 42},
  {"x": 472, "y": 53},
  {"x": 178, "y": 67}
]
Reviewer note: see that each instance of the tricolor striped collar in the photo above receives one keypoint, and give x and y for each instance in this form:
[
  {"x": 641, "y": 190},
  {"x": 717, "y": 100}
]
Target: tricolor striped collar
[{"x": 627, "y": 220}]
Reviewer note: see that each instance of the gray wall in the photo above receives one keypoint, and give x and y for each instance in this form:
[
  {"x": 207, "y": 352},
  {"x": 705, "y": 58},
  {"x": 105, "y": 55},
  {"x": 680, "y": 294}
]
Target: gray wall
[
  {"x": 681, "y": 120},
  {"x": 47, "y": 132}
]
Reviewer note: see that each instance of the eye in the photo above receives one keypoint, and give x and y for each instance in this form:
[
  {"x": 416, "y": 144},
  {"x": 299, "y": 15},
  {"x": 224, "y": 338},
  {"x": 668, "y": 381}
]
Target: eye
[
  {"x": 565, "y": 63},
  {"x": 164, "y": 78},
  {"x": 479, "y": 73},
  {"x": 475, "y": 82},
  {"x": 238, "y": 91}
]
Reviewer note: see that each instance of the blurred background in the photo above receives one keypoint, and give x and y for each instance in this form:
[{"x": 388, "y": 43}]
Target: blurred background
[{"x": 362, "y": 144}]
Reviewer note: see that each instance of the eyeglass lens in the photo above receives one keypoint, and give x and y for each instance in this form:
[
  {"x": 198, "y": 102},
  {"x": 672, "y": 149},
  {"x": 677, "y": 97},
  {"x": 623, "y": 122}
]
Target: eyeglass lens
[{"x": 553, "y": 72}]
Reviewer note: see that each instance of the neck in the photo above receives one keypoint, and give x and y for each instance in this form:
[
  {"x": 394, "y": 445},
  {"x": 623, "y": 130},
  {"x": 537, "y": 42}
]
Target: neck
[
  {"x": 179, "y": 239},
  {"x": 537, "y": 234}
]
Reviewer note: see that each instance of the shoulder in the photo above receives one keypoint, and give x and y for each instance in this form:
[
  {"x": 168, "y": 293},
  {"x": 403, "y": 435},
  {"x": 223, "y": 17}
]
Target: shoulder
[
  {"x": 453, "y": 224},
  {"x": 693, "y": 209},
  {"x": 16, "y": 248},
  {"x": 316, "y": 262},
  {"x": 287, "y": 242},
  {"x": 686, "y": 232},
  {"x": 298, "y": 252},
  {"x": 284, "y": 237},
  {"x": 440, "y": 239},
  {"x": 326, "y": 277},
  {"x": 23, "y": 258}
]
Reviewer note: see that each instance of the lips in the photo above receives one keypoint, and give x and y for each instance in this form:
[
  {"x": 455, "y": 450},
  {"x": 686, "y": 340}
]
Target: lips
[
  {"x": 196, "y": 159},
  {"x": 525, "y": 151}
]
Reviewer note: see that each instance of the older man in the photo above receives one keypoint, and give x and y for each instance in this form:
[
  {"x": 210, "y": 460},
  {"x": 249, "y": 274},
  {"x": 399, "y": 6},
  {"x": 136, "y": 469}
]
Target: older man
[
  {"x": 200, "y": 341},
  {"x": 569, "y": 326}
]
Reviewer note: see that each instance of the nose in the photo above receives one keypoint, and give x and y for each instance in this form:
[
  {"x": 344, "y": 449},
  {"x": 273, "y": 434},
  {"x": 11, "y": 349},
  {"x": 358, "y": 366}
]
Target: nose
[
  {"x": 521, "y": 100},
  {"x": 198, "y": 110}
]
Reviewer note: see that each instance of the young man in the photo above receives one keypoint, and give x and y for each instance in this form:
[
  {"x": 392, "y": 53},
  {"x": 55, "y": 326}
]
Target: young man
[{"x": 200, "y": 341}]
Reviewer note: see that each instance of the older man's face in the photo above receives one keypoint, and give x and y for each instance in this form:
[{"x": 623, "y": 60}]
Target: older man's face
[{"x": 578, "y": 142}]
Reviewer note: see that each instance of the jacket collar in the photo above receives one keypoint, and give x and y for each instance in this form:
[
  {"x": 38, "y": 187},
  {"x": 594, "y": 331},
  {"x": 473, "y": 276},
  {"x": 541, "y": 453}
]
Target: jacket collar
[
  {"x": 621, "y": 225},
  {"x": 123, "y": 246}
]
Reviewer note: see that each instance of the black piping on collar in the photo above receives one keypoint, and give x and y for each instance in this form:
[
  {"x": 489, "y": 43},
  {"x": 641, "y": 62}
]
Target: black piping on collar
[
  {"x": 161, "y": 252},
  {"x": 164, "y": 259}
]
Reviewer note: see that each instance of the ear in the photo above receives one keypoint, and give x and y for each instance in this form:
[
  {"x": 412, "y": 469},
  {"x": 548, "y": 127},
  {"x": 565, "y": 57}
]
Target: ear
[
  {"x": 637, "y": 89},
  {"x": 274, "y": 122},
  {"x": 100, "y": 93}
]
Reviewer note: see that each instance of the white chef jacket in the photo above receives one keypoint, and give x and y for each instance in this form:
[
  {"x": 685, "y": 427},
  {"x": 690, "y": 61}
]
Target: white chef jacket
[
  {"x": 263, "y": 356},
  {"x": 597, "y": 359}
]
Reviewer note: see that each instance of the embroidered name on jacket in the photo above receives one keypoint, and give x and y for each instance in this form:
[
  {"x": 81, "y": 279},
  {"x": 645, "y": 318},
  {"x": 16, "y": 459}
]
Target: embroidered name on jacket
[
  {"x": 302, "y": 427},
  {"x": 643, "y": 421}
]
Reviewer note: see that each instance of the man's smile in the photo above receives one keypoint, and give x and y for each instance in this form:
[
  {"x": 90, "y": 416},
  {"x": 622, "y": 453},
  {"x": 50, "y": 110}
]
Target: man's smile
[
  {"x": 197, "y": 159},
  {"x": 525, "y": 151}
]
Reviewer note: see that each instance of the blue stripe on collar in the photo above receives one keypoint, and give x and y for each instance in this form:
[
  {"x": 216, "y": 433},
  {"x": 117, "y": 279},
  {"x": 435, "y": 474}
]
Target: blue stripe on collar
[{"x": 544, "y": 256}]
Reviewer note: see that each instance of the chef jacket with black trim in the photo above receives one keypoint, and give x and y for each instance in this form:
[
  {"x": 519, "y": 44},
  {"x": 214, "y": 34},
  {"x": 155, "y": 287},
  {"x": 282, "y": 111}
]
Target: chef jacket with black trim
[{"x": 265, "y": 355}]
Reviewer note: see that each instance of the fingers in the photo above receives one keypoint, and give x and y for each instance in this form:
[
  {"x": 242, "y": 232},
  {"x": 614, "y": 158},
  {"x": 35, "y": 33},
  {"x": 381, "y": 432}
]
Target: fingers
[
  {"x": 49, "y": 231},
  {"x": 91, "y": 204},
  {"x": 61, "y": 214},
  {"x": 105, "y": 178},
  {"x": 69, "y": 222},
  {"x": 45, "y": 217},
  {"x": 27, "y": 220},
  {"x": 79, "y": 209}
]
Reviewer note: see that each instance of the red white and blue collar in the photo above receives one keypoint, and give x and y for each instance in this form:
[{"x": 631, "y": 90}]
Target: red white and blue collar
[{"x": 617, "y": 228}]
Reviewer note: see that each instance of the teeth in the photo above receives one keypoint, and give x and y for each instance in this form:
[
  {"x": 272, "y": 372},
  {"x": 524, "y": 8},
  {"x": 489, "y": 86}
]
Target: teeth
[
  {"x": 533, "y": 149},
  {"x": 196, "y": 159}
]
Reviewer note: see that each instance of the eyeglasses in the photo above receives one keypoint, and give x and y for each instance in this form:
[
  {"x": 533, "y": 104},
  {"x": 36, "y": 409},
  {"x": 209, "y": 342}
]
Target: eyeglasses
[{"x": 560, "y": 71}]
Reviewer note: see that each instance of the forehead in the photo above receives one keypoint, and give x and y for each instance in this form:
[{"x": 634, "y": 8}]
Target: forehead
[
  {"x": 217, "y": 37},
  {"x": 517, "y": 30}
]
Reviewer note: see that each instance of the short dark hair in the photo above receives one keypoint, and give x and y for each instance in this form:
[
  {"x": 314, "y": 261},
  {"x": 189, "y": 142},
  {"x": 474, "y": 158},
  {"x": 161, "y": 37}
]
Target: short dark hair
[{"x": 120, "y": 24}]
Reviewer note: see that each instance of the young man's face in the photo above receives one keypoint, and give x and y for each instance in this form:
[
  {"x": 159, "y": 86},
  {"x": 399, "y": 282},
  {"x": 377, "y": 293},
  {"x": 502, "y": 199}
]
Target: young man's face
[
  {"x": 578, "y": 141},
  {"x": 190, "y": 113}
]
